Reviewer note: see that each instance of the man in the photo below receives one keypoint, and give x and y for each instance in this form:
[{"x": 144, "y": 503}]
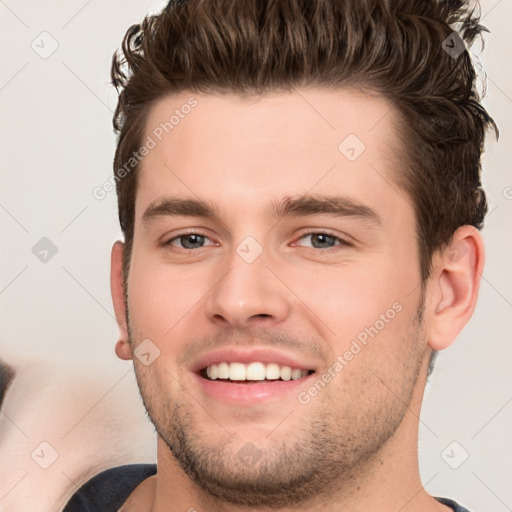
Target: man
[{"x": 299, "y": 191}]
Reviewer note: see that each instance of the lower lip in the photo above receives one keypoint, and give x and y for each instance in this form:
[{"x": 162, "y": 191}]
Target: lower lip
[{"x": 226, "y": 391}]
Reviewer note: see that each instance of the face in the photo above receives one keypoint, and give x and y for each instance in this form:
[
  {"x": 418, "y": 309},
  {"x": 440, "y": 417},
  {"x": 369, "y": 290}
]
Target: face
[{"x": 273, "y": 243}]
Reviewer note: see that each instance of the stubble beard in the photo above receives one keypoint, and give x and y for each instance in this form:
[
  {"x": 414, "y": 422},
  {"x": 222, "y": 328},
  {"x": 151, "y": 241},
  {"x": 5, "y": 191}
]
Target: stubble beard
[{"x": 326, "y": 452}]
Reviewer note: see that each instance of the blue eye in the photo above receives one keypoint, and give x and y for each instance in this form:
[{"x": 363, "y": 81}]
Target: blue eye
[
  {"x": 189, "y": 241},
  {"x": 324, "y": 241}
]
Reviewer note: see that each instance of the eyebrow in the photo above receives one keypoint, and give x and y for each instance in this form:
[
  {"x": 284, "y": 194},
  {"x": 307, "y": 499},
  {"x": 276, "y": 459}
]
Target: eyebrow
[{"x": 303, "y": 206}]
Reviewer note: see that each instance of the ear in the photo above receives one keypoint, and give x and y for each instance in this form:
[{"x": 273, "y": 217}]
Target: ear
[
  {"x": 455, "y": 283},
  {"x": 123, "y": 349}
]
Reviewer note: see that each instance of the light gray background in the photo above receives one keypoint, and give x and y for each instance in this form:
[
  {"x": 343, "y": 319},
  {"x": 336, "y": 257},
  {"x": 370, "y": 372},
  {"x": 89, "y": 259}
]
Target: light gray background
[{"x": 57, "y": 144}]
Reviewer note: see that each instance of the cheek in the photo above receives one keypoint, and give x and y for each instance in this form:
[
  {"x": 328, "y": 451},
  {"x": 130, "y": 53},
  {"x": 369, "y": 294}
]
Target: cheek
[
  {"x": 348, "y": 298},
  {"x": 159, "y": 297},
  {"x": 367, "y": 311}
]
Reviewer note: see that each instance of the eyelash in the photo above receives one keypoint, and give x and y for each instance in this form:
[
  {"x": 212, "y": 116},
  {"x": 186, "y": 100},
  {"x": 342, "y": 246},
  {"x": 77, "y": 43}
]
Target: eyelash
[{"x": 342, "y": 241}]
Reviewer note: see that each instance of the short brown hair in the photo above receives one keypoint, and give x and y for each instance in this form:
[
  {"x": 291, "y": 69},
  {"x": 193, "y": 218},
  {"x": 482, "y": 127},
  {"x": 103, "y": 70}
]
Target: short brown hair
[{"x": 399, "y": 49}]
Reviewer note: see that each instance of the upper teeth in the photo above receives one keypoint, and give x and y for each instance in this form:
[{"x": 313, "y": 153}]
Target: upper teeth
[{"x": 253, "y": 371}]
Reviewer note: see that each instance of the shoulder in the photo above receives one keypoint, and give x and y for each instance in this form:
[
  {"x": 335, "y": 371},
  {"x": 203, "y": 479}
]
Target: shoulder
[
  {"x": 454, "y": 505},
  {"x": 108, "y": 490}
]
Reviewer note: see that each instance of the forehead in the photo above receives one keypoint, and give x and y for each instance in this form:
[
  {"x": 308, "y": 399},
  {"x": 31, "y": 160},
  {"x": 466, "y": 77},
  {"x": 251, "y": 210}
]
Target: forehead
[
  {"x": 312, "y": 116},
  {"x": 244, "y": 152}
]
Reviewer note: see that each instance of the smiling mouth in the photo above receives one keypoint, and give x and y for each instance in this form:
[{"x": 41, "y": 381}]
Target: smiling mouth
[{"x": 252, "y": 373}]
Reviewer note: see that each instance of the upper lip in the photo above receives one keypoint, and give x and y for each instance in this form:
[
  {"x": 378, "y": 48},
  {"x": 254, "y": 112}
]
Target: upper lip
[{"x": 246, "y": 356}]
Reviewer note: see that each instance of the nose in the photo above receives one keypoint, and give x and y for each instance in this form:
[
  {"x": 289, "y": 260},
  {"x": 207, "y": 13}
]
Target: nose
[{"x": 248, "y": 294}]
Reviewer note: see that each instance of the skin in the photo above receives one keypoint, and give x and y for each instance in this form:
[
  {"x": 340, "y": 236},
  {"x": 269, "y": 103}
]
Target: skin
[{"x": 354, "y": 445}]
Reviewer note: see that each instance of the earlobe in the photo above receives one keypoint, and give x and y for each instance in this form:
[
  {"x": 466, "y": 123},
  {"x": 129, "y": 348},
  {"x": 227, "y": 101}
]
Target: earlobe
[
  {"x": 123, "y": 349},
  {"x": 455, "y": 284}
]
